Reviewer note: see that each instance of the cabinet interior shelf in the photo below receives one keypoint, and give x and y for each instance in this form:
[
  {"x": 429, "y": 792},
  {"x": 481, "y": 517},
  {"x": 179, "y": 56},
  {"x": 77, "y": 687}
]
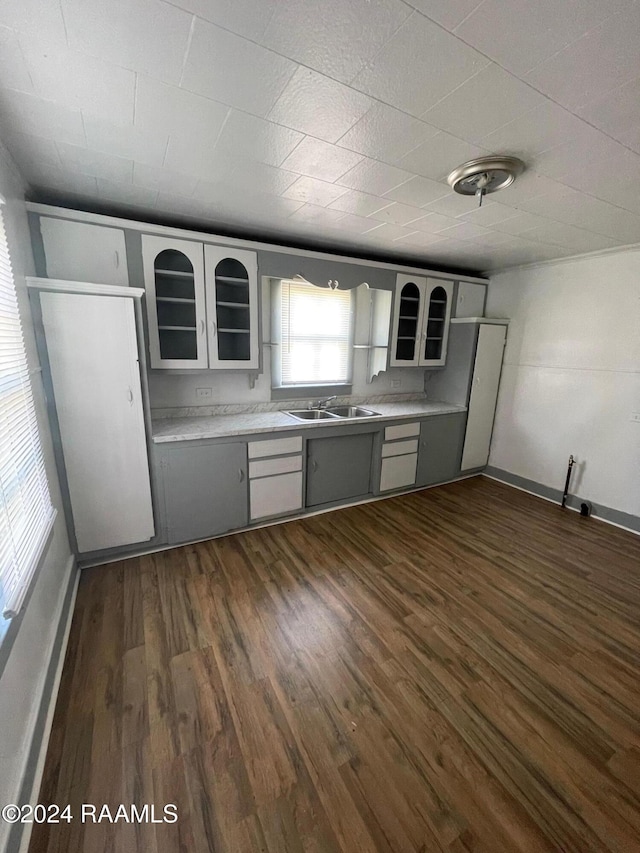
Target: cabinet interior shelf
[
  {"x": 409, "y": 299},
  {"x": 229, "y": 279},
  {"x": 233, "y": 304},
  {"x": 236, "y": 331},
  {"x": 431, "y": 338},
  {"x": 406, "y": 338},
  {"x": 175, "y": 273},
  {"x": 176, "y": 328},
  {"x": 175, "y": 299},
  {"x": 438, "y": 301}
]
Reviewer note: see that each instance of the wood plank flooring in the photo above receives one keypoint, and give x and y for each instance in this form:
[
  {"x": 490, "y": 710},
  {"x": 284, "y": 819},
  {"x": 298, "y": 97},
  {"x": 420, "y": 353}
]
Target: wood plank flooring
[{"x": 453, "y": 670}]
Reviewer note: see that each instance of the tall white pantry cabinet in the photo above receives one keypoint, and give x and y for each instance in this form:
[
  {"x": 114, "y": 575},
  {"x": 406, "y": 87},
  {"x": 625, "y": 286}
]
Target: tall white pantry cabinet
[{"x": 92, "y": 354}]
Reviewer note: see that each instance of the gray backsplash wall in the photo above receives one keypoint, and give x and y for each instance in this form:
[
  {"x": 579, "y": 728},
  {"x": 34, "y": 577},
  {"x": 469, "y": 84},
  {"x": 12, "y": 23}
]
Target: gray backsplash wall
[{"x": 169, "y": 390}]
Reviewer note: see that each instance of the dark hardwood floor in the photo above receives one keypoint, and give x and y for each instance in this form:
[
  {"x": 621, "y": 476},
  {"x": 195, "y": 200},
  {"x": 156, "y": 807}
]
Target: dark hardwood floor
[{"x": 453, "y": 670}]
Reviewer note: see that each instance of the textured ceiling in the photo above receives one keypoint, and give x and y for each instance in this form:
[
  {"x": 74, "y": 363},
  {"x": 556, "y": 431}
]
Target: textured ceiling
[{"x": 335, "y": 122}]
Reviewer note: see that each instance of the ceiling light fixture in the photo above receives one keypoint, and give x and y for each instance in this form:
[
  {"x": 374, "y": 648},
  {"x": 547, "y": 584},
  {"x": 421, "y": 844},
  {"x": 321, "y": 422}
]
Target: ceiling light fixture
[{"x": 485, "y": 175}]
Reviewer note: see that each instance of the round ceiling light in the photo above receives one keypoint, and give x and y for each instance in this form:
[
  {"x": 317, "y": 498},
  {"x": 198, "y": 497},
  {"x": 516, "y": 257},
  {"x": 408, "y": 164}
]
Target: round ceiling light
[{"x": 485, "y": 175}]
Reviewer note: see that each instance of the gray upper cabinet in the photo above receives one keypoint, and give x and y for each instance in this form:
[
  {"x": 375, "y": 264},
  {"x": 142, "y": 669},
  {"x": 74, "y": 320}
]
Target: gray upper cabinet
[
  {"x": 338, "y": 468},
  {"x": 421, "y": 315},
  {"x": 205, "y": 490},
  {"x": 440, "y": 448}
]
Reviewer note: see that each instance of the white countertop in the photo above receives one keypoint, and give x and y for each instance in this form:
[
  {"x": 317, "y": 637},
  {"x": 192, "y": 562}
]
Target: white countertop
[{"x": 220, "y": 426}]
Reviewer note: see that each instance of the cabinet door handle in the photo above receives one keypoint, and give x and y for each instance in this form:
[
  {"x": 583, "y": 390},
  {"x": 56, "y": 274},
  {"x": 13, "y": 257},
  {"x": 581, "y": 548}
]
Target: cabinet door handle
[
  {"x": 314, "y": 464},
  {"x": 130, "y": 396},
  {"x": 240, "y": 475},
  {"x": 116, "y": 259},
  {"x": 201, "y": 327},
  {"x": 214, "y": 328}
]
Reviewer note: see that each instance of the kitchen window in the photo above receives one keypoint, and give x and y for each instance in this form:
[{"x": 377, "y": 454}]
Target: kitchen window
[
  {"x": 313, "y": 334},
  {"x": 26, "y": 514}
]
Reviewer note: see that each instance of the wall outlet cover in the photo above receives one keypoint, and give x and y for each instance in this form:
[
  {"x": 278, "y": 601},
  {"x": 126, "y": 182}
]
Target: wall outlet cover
[
  {"x": 635, "y": 417},
  {"x": 204, "y": 393},
  {"x": 396, "y": 383}
]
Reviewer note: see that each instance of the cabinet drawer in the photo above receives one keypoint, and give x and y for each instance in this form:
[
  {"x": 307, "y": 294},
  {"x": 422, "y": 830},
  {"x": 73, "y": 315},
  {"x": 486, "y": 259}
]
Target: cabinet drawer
[
  {"x": 280, "y": 465},
  {"x": 275, "y": 447},
  {"x": 391, "y": 433},
  {"x": 398, "y": 471},
  {"x": 275, "y": 495},
  {"x": 400, "y": 448}
]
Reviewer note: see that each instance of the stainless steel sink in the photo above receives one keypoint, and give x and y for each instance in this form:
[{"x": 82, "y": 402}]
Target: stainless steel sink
[
  {"x": 312, "y": 415},
  {"x": 351, "y": 412},
  {"x": 333, "y": 413}
]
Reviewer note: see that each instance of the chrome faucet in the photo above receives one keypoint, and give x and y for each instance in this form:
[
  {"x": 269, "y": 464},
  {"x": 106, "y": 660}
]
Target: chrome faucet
[{"x": 322, "y": 404}]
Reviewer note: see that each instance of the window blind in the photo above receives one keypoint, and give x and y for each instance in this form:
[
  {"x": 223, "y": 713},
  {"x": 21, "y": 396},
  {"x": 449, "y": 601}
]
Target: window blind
[
  {"x": 26, "y": 514},
  {"x": 315, "y": 334}
]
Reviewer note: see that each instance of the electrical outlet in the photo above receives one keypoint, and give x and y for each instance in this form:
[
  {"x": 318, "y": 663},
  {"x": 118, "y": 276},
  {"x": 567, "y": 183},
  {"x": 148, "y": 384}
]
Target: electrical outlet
[
  {"x": 635, "y": 417},
  {"x": 204, "y": 393},
  {"x": 396, "y": 383}
]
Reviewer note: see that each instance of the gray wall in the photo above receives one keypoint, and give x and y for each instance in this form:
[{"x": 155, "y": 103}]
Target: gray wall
[
  {"x": 169, "y": 390},
  {"x": 22, "y": 680}
]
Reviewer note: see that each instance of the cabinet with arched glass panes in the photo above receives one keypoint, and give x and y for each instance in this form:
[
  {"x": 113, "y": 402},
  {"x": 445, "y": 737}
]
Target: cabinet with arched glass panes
[
  {"x": 232, "y": 308},
  {"x": 422, "y": 310},
  {"x": 174, "y": 283},
  {"x": 202, "y": 305}
]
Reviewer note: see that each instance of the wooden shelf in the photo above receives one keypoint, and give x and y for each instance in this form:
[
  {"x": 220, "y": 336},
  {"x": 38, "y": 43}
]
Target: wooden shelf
[
  {"x": 174, "y": 273},
  {"x": 236, "y": 331},
  {"x": 175, "y": 299},
  {"x": 233, "y": 304}
]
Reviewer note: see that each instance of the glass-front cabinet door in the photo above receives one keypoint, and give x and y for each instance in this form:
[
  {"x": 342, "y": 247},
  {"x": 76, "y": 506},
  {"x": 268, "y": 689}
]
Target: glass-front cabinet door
[
  {"x": 175, "y": 291},
  {"x": 437, "y": 314},
  {"x": 421, "y": 315},
  {"x": 232, "y": 308},
  {"x": 407, "y": 321}
]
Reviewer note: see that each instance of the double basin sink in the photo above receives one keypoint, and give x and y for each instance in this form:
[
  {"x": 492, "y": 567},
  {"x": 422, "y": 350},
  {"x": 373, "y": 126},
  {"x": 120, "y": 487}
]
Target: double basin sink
[{"x": 331, "y": 413}]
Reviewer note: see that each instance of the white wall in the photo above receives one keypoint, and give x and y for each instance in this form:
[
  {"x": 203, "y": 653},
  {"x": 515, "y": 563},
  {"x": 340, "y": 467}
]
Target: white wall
[
  {"x": 22, "y": 681},
  {"x": 571, "y": 376}
]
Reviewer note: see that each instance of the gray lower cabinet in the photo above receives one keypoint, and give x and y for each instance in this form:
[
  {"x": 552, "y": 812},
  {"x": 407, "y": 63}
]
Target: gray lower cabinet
[
  {"x": 205, "y": 490},
  {"x": 440, "y": 449},
  {"x": 338, "y": 468}
]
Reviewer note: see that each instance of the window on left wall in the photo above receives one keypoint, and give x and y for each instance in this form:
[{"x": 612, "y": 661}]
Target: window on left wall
[{"x": 26, "y": 513}]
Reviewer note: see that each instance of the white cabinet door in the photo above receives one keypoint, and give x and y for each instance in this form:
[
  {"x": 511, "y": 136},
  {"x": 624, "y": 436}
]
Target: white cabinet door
[
  {"x": 398, "y": 472},
  {"x": 408, "y": 311},
  {"x": 93, "y": 358},
  {"x": 484, "y": 395},
  {"x": 435, "y": 322},
  {"x": 470, "y": 301},
  {"x": 232, "y": 308},
  {"x": 174, "y": 285},
  {"x": 77, "y": 251},
  {"x": 270, "y": 496}
]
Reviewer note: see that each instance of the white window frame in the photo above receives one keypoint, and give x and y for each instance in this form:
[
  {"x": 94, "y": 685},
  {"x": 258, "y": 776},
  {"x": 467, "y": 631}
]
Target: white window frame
[
  {"x": 26, "y": 513},
  {"x": 277, "y": 345}
]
